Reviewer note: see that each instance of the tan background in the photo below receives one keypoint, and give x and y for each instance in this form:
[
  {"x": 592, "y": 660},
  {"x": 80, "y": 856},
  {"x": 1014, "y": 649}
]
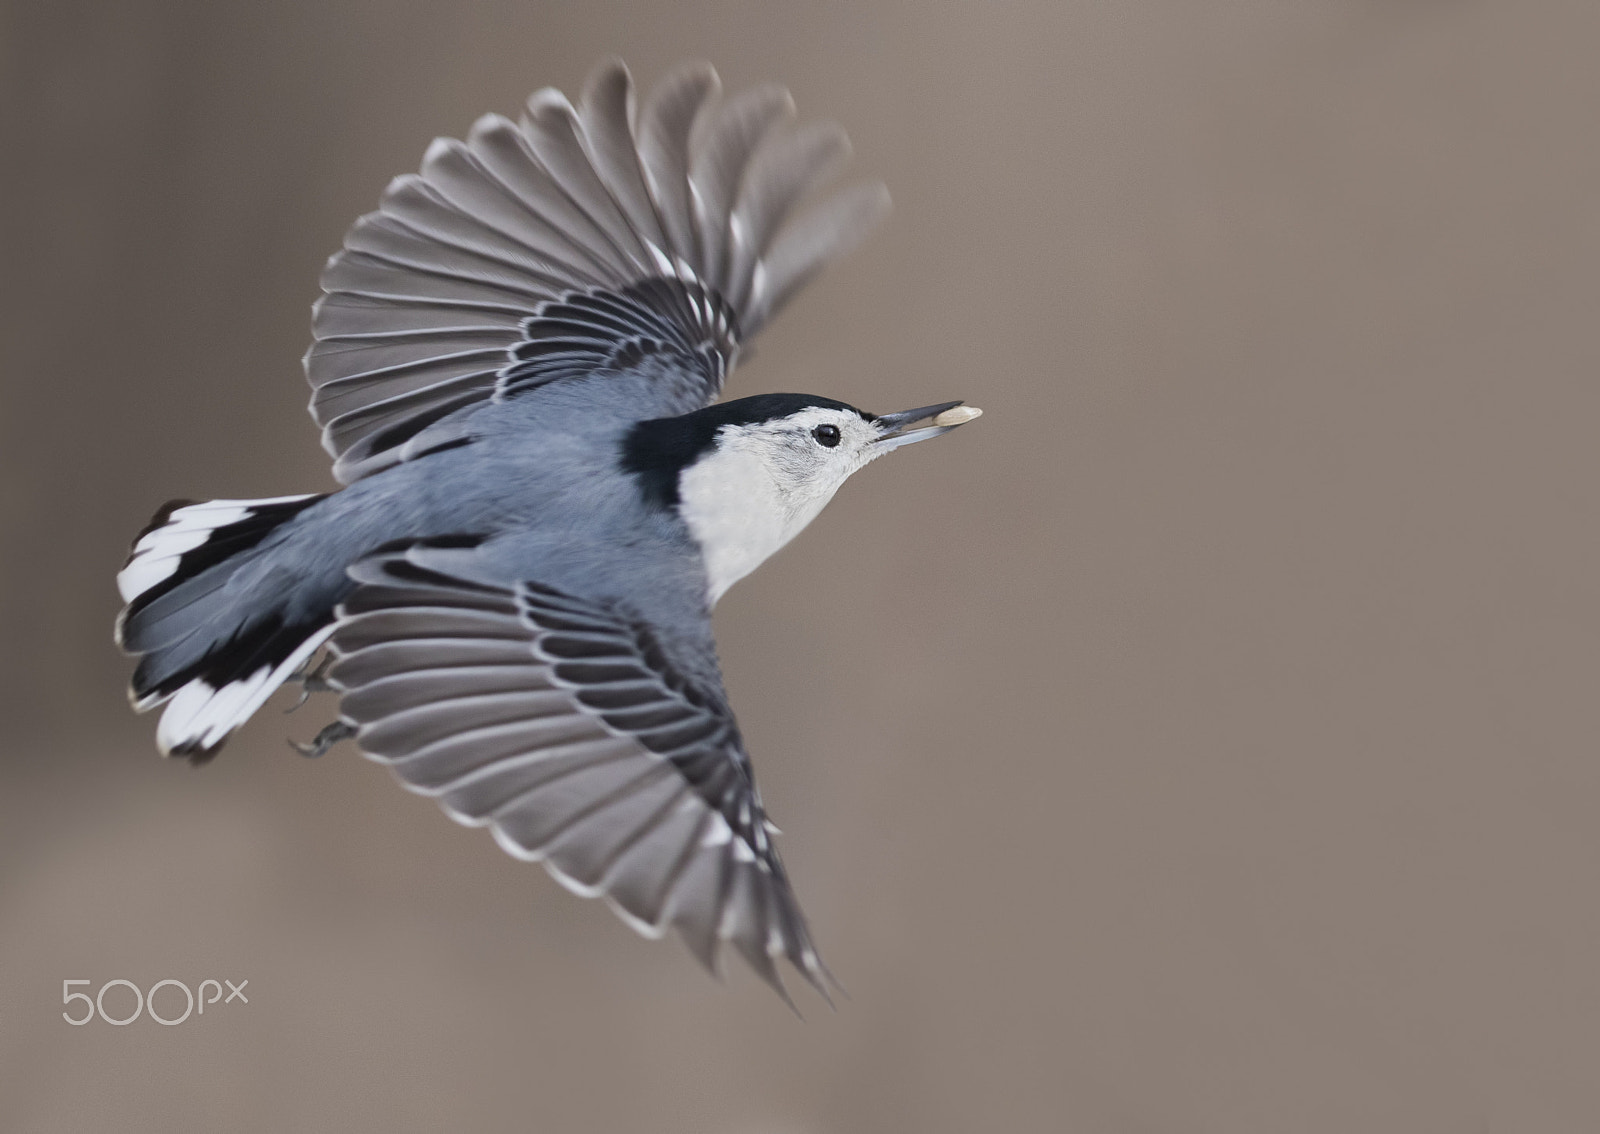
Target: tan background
[{"x": 1204, "y": 741}]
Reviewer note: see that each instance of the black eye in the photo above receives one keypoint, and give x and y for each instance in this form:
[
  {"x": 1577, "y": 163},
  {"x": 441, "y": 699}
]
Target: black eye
[{"x": 826, "y": 435}]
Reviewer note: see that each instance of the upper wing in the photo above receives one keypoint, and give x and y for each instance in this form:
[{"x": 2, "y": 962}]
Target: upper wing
[
  {"x": 562, "y": 725},
  {"x": 574, "y": 240}
]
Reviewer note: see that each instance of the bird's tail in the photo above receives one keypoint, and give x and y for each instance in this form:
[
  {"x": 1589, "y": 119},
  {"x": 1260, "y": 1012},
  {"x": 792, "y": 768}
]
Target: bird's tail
[{"x": 210, "y": 650}]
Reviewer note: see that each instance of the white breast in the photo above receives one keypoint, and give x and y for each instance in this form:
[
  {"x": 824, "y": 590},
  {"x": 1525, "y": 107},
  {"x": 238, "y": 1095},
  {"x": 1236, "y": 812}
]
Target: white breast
[{"x": 740, "y": 513}]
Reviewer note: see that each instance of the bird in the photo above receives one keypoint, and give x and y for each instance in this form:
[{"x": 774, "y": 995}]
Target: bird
[{"x": 516, "y": 366}]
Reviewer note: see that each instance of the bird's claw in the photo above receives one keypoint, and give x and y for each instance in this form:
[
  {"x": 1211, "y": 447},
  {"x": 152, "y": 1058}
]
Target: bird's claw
[
  {"x": 324, "y": 740},
  {"x": 313, "y": 678}
]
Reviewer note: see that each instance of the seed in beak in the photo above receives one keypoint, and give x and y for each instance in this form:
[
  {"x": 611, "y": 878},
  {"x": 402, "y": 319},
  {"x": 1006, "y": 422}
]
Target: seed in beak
[{"x": 960, "y": 415}]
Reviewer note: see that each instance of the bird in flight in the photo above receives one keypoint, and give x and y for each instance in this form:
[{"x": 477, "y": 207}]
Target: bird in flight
[{"x": 515, "y": 365}]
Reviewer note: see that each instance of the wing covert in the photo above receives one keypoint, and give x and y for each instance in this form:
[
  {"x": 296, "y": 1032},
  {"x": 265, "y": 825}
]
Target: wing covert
[{"x": 575, "y": 240}]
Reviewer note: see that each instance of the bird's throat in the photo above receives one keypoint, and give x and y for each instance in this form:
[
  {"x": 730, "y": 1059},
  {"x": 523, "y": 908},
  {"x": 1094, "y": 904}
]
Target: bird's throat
[{"x": 740, "y": 515}]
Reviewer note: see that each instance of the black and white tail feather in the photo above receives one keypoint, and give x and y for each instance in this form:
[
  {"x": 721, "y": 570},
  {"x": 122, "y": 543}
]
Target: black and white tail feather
[
  {"x": 573, "y": 242},
  {"x": 212, "y": 666}
]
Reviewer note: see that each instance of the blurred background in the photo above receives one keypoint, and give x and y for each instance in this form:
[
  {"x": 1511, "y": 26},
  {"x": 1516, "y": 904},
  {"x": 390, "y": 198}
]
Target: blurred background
[{"x": 1204, "y": 741}]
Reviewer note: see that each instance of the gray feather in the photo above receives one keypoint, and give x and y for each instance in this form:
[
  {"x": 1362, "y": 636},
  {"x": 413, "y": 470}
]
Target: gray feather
[
  {"x": 543, "y": 217},
  {"x": 781, "y": 172},
  {"x": 818, "y": 237},
  {"x": 554, "y": 134},
  {"x": 590, "y": 846},
  {"x": 664, "y": 130},
  {"x": 716, "y": 169},
  {"x": 642, "y": 880},
  {"x": 531, "y": 798},
  {"x": 606, "y": 112}
]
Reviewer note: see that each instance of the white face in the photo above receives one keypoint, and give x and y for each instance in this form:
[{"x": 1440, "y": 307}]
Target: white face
[{"x": 764, "y": 483}]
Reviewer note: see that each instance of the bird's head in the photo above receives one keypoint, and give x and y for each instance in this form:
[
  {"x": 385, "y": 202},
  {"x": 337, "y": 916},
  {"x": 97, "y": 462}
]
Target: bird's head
[{"x": 748, "y": 475}]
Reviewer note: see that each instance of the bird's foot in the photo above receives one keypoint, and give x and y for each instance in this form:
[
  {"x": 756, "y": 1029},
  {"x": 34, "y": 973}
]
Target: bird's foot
[
  {"x": 313, "y": 678},
  {"x": 324, "y": 740}
]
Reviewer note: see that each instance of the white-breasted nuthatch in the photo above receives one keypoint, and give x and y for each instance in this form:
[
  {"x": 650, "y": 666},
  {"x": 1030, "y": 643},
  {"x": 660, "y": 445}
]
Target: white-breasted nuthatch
[{"x": 514, "y": 366}]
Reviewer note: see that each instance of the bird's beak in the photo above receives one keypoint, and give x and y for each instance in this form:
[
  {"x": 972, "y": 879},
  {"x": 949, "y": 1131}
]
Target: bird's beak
[{"x": 945, "y": 417}]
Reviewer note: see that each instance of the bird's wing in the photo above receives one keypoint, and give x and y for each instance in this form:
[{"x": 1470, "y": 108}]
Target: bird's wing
[
  {"x": 574, "y": 240},
  {"x": 562, "y": 725}
]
